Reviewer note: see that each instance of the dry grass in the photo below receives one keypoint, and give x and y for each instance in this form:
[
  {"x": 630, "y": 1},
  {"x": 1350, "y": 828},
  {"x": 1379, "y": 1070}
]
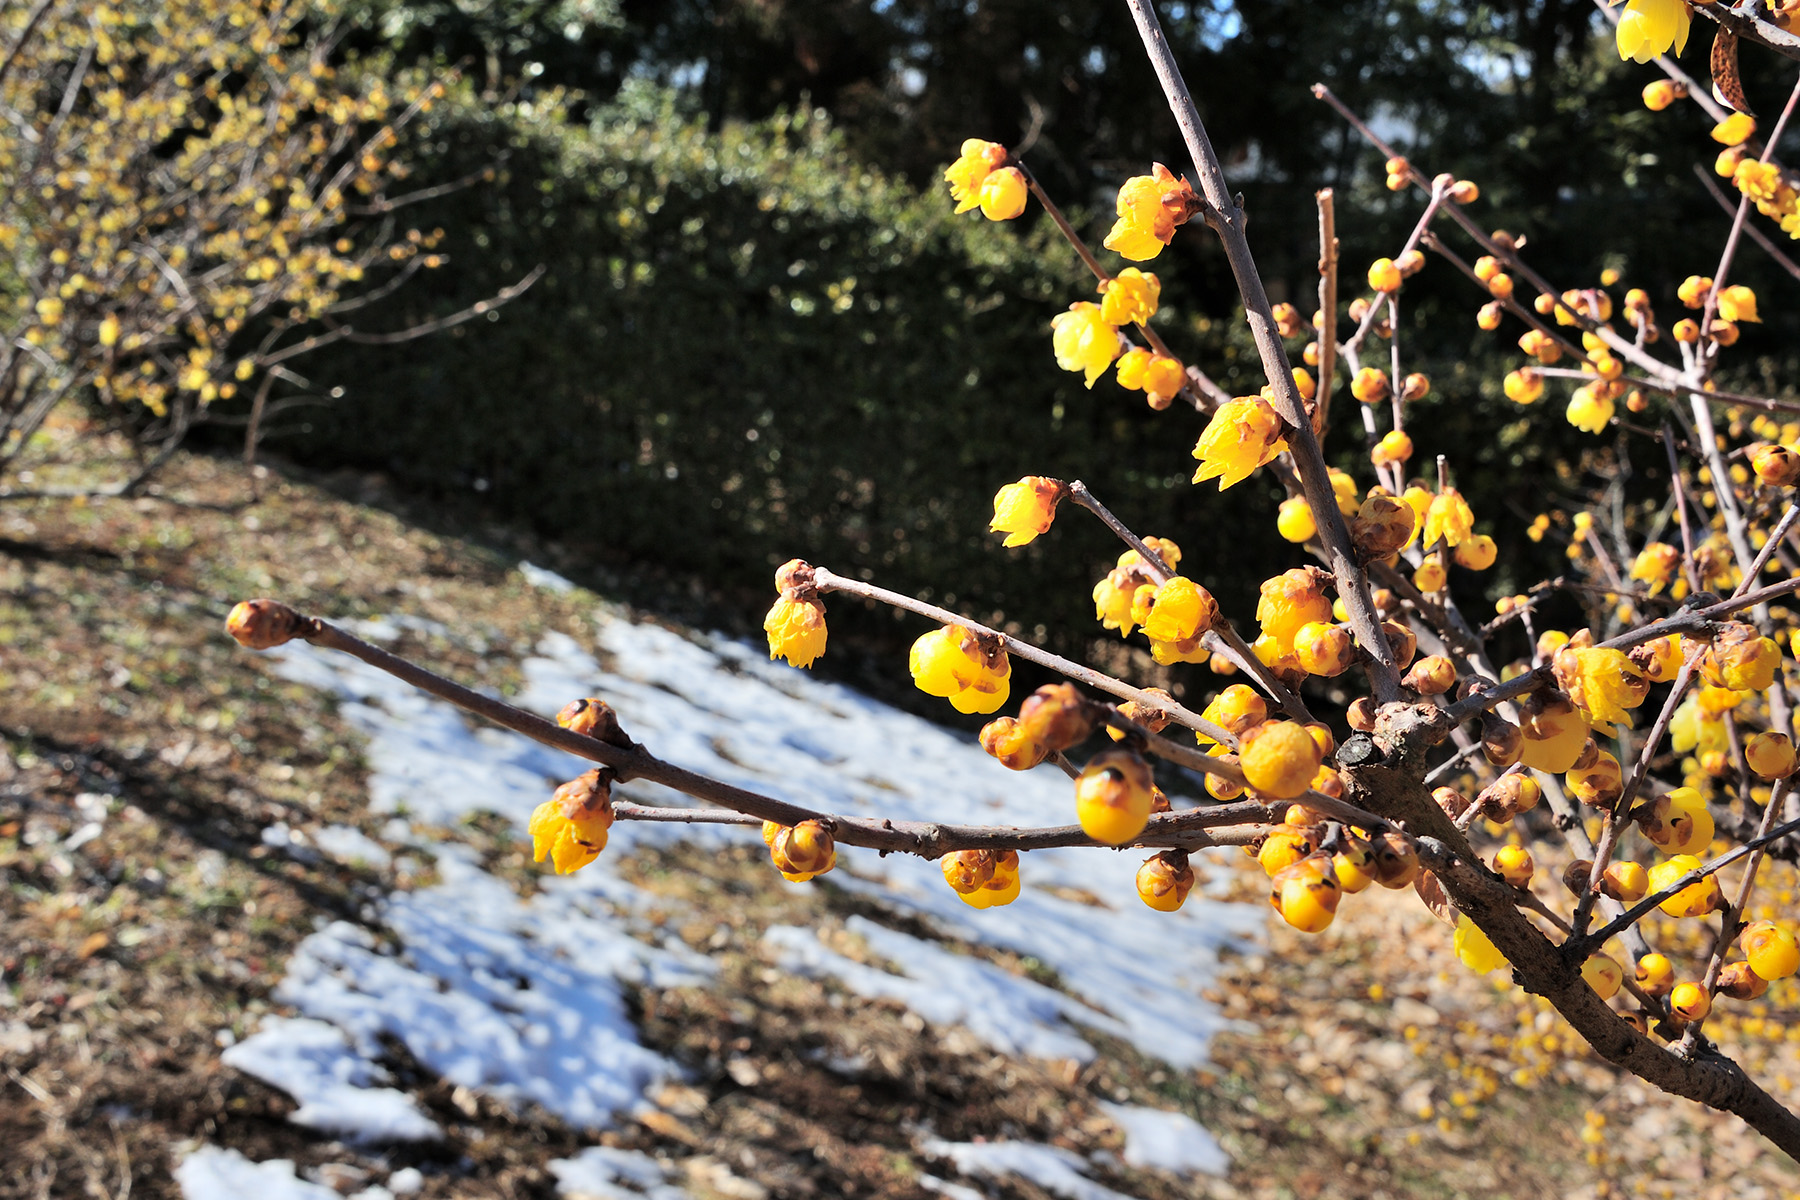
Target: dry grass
[{"x": 1370, "y": 1064}]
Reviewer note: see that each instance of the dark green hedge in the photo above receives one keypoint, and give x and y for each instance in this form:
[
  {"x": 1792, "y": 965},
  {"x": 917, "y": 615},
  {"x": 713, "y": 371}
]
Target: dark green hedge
[{"x": 748, "y": 348}]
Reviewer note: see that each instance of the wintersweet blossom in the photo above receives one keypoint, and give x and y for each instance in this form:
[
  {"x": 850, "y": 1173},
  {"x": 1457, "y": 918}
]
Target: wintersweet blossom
[
  {"x": 1738, "y": 303},
  {"x": 966, "y": 175},
  {"x": 571, "y": 827},
  {"x": 1025, "y": 509},
  {"x": 1150, "y": 207},
  {"x": 1648, "y": 28},
  {"x": 796, "y": 630},
  {"x": 1605, "y": 682},
  {"x": 1130, "y": 297},
  {"x": 1083, "y": 340},
  {"x": 1656, "y": 565},
  {"x": 1003, "y": 194},
  {"x": 1734, "y": 130},
  {"x": 1180, "y": 610},
  {"x": 1243, "y": 434},
  {"x": 1449, "y": 520}
]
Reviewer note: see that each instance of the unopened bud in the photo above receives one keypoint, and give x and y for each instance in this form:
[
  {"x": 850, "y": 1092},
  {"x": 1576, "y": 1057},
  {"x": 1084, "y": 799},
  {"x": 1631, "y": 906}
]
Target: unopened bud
[
  {"x": 1056, "y": 716},
  {"x": 1432, "y": 676},
  {"x": 265, "y": 624},
  {"x": 593, "y": 718}
]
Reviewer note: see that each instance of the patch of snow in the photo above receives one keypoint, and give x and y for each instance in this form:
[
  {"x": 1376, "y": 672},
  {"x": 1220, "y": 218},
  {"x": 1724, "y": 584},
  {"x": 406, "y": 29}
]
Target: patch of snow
[
  {"x": 1011, "y": 1014},
  {"x": 1059, "y": 1172},
  {"x": 598, "y": 1172},
  {"x": 541, "y": 577},
  {"x": 351, "y": 846},
  {"x": 314, "y": 1063},
  {"x": 210, "y": 1173},
  {"x": 521, "y": 999},
  {"x": 943, "y": 1187},
  {"x": 1167, "y": 1141},
  {"x": 406, "y": 1181}
]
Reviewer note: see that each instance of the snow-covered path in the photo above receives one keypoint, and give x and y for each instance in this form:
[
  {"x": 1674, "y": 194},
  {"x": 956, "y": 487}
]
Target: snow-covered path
[{"x": 522, "y": 998}]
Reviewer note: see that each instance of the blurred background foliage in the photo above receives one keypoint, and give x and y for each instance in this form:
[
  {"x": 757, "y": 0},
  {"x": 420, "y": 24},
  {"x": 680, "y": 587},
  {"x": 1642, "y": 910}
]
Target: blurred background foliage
[{"x": 764, "y": 335}]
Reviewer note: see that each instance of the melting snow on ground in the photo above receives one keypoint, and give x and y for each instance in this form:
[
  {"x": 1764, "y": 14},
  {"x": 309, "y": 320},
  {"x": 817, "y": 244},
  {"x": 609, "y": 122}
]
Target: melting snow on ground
[{"x": 523, "y": 998}]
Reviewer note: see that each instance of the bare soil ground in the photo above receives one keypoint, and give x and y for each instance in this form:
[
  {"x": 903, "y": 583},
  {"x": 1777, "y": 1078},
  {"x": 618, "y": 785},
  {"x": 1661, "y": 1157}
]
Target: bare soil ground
[{"x": 141, "y": 914}]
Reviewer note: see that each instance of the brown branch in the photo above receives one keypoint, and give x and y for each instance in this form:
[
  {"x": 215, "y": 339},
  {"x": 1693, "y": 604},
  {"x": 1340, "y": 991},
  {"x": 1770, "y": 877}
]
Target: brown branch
[{"x": 1227, "y": 218}]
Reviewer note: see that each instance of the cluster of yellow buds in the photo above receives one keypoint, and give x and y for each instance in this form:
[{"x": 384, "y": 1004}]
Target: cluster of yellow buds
[
  {"x": 980, "y": 178},
  {"x": 970, "y": 670},
  {"x": 982, "y": 878},
  {"x": 796, "y": 622},
  {"x": 801, "y": 851},
  {"x": 571, "y": 827},
  {"x": 1122, "y": 600},
  {"x": 1287, "y": 606}
]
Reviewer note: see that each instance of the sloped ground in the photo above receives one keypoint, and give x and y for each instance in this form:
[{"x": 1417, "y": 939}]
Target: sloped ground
[{"x": 147, "y": 908}]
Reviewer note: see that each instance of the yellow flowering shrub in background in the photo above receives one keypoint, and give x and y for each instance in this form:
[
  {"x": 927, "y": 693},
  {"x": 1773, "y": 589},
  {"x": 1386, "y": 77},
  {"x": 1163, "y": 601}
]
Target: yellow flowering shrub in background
[{"x": 198, "y": 191}]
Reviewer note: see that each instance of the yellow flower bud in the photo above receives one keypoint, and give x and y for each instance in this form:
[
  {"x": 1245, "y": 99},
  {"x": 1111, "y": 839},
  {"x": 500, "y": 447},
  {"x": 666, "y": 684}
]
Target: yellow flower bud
[
  {"x": 1295, "y": 520},
  {"x": 1553, "y": 734},
  {"x": 1370, "y": 385},
  {"x": 1384, "y": 276},
  {"x": 1431, "y": 676},
  {"x": 1306, "y": 894},
  {"x": 1003, "y": 194},
  {"x": 1237, "y": 709},
  {"x": 1012, "y": 744},
  {"x": 1431, "y": 576},
  {"x": 1025, "y": 509},
  {"x": 1489, "y": 315},
  {"x": 966, "y": 175},
  {"x": 1477, "y": 552},
  {"x": 1689, "y": 1001},
  {"x": 1695, "y": 900},
  {"x": 1735, "y": 129},
  {"x": 1771, "y": 949},
  {"x": 1655, "y": 974},
  {"x": 1770, "y": 755},
  {"x": 1603, "y": 975},
  {"x": 1394, "y": 448},
  {"x": 1396, "y": 862},
  {"x": 1775, "y": 465},
  {"x": 1514, "y": 864},
  {"x": 1626, "y": 882},
  {"x": 1165, "y": 880},
  {"x": 1694, "y": 290},
  {"x": 1112, "y": 796},
  {"x": 1661, "y": 93},
  {"x": 1279, "y": 759}
]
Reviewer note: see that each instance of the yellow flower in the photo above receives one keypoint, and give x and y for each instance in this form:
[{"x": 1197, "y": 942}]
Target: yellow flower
[
  {"x": 1243, "y": 434},
  {"x": 1589, "y": 410},
  {"x": 1295, "y": 520},
  {"x": 1656, "y": 565},
  {"x": 1280, "y": 759},
  {"x": 1180, "y": 610},
  {"x": 1694, "y": 289},
  {"x": 1738, "y": 303},
  {"x": 1523, "y": 386},
  {"x": 796, "y": 630},
  {"x": 953, "y": 663},
  {"x": 1758, "y": 180},
  {"x": 1734, "y": 130},
  {"x": 1602, "y": 681},
  {"x": 966, "y": 175},
  {"x": 109, "y": 330},
  {"x": 1025, "y": 509},
  {"x": 1149, "y": 208},
  {"x": 1083, "y": 340},
  {"x": 571, "y": 826},
  {"x": 1343, "y": 488},
  {"x": 1291, "y": 600},
  {"x": 1395, "y": 447},
  {"x": 1475, "y": 948},
  {"x": 1131, "y": 297},
  {"x": 1449, "y": 520},
  {"x": 49, "y": 310},
  {"x": 1695, "y": 900},
  {"x": 1003, "y": 194},
  {"x": 1648, "y": 28},
  {"x": 1384, "y": 276}
]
